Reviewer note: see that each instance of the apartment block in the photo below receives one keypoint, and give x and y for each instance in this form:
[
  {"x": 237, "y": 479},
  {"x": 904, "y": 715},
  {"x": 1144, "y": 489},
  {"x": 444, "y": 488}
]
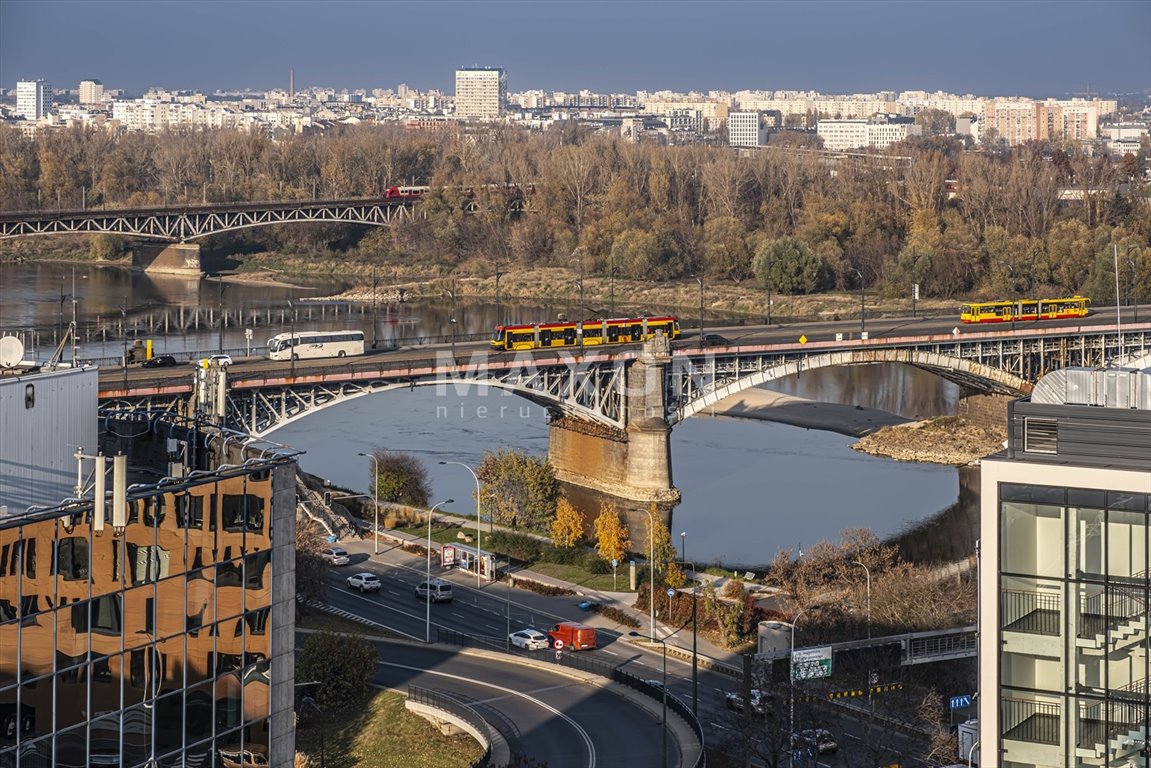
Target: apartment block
[
  {"x": 91, "y": 92},
  {"x": 1064, "y": 590},
  {"x": 746, "y": 129},
  {"x": 33, "y": 99},
  {"x": 879, "y": 131},
  {"x": 481, "y": 93}
]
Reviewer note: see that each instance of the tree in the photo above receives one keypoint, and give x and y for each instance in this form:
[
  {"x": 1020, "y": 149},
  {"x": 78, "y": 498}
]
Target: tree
[
  {"x": 401, "y": 478},
  {"x": 343, "y": 665},
  {"x": 567, "y": 527},
  {"x": 789, "y": 266},
  {"x": 521, "y": 489},
  {"x": 610, "y": 533},
  {"x": 311, "y": 570},
  {"x": 660, "y": 539}
]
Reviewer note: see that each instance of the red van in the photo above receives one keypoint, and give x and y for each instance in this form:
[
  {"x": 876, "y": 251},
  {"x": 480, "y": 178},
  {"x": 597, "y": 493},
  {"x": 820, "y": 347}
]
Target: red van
[{"x": 573, "y": 635}]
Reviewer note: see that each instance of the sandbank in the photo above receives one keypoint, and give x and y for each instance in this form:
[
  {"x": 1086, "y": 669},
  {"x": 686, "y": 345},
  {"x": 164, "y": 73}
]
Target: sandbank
[{"x": 768, "y": 405}]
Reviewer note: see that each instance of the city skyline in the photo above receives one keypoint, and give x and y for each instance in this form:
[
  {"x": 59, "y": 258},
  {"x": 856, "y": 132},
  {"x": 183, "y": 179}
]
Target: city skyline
[{"x": 1015, "y": 48}]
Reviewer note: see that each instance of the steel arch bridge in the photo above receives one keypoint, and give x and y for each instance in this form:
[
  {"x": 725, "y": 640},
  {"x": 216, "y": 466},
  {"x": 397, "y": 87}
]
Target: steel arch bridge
[{"x": 594, "y": 386}]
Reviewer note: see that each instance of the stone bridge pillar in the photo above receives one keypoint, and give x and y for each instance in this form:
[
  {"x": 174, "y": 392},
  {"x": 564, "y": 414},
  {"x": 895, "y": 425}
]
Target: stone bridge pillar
[
  {"x": 167, "y": 258},
  {"x": 633, "y": 463},
  {"x": 984, "y": 410}
]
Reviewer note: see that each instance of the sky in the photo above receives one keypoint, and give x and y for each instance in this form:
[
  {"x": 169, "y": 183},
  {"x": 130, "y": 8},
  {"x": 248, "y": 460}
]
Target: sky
[{"x": 984, "y": 47}]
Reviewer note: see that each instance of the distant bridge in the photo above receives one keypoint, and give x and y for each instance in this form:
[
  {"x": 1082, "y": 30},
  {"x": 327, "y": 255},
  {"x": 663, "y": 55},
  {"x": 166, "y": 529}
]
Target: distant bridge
[{"x": 189, "y": 222}]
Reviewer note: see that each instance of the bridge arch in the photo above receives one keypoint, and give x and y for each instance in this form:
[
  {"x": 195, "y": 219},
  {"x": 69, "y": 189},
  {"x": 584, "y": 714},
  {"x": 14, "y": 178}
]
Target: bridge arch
[{"x": 968, "y": 374}]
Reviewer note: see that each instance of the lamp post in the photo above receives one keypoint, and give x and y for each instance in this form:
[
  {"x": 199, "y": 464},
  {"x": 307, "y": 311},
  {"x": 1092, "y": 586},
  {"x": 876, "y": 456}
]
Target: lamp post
[
  {"x": 292, "y": 339},
  {"x": 375, "y": 499},
  {"x": 309, "y": 701},
  {"x": 791, "y": 676},
  {"x": 375, "y": 311},
  {"x": 124, "y": 333},
  {"x": 694, "y": 633},
  {"x": 651, "y": 569},
  {"x": 663, "y": 684},
  {"x": 428, "y": 577},
  {"x": 498, "y": 276},
  {"x": 862, "y": 306},
  {"x": 220, "y": 306},
  {"x": 611, "y": 284},
  {"x": 868, "y": 573},
  {"x": 478, "y": 516},
  {"x": 700, "y": 281},
  {"x": 768, "y": 281}
]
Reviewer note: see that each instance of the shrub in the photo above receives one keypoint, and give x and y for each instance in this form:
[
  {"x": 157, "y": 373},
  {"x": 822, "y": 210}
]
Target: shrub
[
  {"x": 618, "y": 615},
  {"x": 517, "y": 545},
  {"x": 562, "y": 556},
  {"x": 596, "y": 564}
]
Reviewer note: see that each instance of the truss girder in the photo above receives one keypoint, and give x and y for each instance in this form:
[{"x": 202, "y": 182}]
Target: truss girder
[{"x": 181, "y": 224}]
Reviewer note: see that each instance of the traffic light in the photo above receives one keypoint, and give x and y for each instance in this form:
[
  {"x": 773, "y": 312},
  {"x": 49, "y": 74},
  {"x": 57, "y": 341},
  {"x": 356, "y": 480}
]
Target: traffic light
[{"x": 327, "y": 498}]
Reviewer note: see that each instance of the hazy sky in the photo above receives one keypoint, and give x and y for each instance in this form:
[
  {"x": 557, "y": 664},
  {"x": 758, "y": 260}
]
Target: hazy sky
[{"x": 985, "y": 47}]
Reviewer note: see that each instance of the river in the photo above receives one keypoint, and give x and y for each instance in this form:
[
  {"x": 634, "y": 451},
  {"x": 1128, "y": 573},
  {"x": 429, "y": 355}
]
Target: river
[{"x": 750, "y": 488}]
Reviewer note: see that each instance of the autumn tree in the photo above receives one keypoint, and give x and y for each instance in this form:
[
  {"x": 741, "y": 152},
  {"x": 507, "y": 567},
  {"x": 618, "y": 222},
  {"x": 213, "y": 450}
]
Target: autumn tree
[
  {"x": 610, "y": 533},
  {"x": 311, "y": 570},
  {"x": 567, "y": 527},
  {"x": 343, "y": 665},
  {"x": 400, "y": 478},
  {"x": 520, "y": 489},
  {"x": 789, "y": 266}
]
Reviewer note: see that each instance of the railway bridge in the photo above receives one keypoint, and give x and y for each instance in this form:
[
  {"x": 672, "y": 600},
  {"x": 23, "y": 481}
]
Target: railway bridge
[{"x": 613, "y": 409}]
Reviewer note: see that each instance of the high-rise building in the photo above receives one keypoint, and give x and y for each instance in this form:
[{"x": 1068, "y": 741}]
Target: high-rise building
[
  {"x": 147, "y": 619},
  {"x": 746, "y": 129},
  {"x": 481, "y": 92},
  {"x": 91, "y": 92},
  {"x": 1063, "y": 576},
  {"x": 33, "y": 99}
]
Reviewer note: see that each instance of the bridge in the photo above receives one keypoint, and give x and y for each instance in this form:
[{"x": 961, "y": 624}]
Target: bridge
[
  {"x": 612, "y": 409},
  {"x": 190, "y": 222}
]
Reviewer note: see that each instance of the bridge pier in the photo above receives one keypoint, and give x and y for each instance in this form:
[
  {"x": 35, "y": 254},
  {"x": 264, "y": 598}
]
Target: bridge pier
[
  {"x": 983, "y": 410},
  {"x": 632, "y": 463},
  {"x": 167, "y": 258}
]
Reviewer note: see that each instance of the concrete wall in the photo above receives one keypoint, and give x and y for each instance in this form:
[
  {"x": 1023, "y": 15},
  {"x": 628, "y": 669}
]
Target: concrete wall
[
  {"x": 167, "y": 258},
  {"x": 588, "y": 454}
]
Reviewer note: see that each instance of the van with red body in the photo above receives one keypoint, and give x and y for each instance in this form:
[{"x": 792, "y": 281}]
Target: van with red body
[{"x": 573, "y": 635}]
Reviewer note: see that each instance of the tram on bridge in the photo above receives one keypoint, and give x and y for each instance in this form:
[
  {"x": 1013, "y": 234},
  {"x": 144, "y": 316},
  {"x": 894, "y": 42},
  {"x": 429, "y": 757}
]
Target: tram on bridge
[
  {"x": 1024, "y": 309},
  {"x": 584, "y": 333}
]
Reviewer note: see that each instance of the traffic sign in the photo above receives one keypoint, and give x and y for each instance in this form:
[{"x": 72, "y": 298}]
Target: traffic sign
[
  {"x": 671, "y": 592},
  {"x": 803, "y": 339},
  {"x": 559, "y": 644},
  {"x": 614, "y": 562},
  {"x": 811, "y": 663},
  {"x": 959, "y": 702}
]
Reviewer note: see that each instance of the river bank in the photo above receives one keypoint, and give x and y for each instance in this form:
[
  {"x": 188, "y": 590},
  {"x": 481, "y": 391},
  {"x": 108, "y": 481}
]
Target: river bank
[{"x": 767, "y": 405}]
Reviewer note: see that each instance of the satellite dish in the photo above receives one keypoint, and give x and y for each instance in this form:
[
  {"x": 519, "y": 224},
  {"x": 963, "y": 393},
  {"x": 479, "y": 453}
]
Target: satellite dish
[{"x": 11, "y": 352}]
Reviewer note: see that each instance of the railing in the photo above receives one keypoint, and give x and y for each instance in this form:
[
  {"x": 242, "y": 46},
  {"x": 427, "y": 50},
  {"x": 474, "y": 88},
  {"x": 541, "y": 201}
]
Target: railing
[
  {"x": 1036, "y": 613},
  {"x": 1034, "y": 721},
  {"x": 457, "y": 708},
  {"x": 591, "y": 665},
  {"x": 1100, "y": 722},
  {"x": 943, "y": 645},
  {"x": 1108, "y": 609}
]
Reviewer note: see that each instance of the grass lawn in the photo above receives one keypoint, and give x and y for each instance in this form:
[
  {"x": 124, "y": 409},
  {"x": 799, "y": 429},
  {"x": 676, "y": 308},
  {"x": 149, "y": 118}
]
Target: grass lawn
[
  {"x": 577, "y": 575},
  {"x": 383, "y": 734}
]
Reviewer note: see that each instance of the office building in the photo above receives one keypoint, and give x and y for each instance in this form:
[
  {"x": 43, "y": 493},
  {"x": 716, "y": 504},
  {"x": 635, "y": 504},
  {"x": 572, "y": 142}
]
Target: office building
[
  {"x": 147, "y": 620},
  {"x": 33, "y": 99},
  {"x": 746, "y": 129},
  {"x": 878, "y": 131},
  {"x": 481, "y": 93},
  {"x": 91, "y": 92},
  {"x": 1063, "y": 597}
]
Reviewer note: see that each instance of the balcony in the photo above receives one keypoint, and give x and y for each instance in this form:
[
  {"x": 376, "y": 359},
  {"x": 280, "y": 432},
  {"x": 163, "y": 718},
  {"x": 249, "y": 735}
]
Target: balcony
[
  {"x": 1032, "y": 721},
  {"x": 1035, "y": 613}
]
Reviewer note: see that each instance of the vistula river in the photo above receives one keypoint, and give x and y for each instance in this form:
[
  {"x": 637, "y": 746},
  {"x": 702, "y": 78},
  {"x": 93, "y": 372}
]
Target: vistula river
[{"x": 750, "y": 488}]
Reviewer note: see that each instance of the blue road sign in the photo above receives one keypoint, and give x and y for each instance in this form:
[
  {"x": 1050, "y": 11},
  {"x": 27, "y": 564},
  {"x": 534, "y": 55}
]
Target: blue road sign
[{"x": 959, "y": 702}]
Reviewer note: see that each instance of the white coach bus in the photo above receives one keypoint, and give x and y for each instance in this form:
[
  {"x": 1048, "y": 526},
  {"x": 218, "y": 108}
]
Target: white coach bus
[{"x": 311, "y": 344}]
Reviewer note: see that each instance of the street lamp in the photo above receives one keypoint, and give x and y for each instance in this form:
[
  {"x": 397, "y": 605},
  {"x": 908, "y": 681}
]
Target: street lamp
[
  {"x": 428, "y": 577},
  {"x": 868, "y": 572},
  {"x": 700, "y": 281},
  {"x": 768, "y": 281},
  {"x": 292, "y": 339},
  {"x": 683, "y": 547},
  {"x": 862, "y": 306},
  {"x": 375, "y": 498},
  {"x": 498, "y": 276},
  {"x": 791, "y": 676},
  {"x": 478, "y": 516},
  {"x": 663, "y": 684},
  {"x": 651, "y": 569},
  {"x": 124, "y": 333}
]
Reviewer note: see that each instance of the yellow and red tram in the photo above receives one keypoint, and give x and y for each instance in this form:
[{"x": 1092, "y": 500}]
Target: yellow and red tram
[
  {"x": 619, "y": 330},
  {"x": 1024, "y": 309}
]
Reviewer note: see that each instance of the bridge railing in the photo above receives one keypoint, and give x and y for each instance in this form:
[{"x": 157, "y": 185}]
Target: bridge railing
[{"x": 459, "y": 709}]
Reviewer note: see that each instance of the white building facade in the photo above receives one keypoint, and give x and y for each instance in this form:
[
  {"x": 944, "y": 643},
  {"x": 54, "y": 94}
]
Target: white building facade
[
  {"x": 746, "y": 129},
  {"x": 481, "y": 93},
  {"x": 33, "y": 99}
]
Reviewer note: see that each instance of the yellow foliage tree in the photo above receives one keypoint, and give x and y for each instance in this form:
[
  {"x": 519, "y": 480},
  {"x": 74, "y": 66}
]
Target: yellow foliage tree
[
  {"x": 567, "y": 527},
  {"x": 610, "y": 533},
  {"x": 661, "y": 538}
]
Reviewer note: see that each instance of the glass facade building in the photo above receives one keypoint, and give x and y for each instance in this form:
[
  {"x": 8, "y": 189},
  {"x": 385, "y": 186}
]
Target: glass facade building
[
  {"x": 164, "y": 641},
  {"x": 1064, "y": 590}
]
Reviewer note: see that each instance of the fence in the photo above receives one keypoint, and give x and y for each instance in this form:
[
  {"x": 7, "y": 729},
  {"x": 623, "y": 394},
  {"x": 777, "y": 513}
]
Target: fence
[{"x": 459, "y": 709}]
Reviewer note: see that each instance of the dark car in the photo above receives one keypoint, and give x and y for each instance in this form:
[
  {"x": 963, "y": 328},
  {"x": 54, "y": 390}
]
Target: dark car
[
  {"x": 715, "y": 340},
  {"x": 160, "y": 361}
]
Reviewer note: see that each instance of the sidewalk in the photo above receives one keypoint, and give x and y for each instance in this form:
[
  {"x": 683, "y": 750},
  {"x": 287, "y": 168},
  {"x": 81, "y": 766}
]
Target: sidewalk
[{"x": 678, "y": 639}]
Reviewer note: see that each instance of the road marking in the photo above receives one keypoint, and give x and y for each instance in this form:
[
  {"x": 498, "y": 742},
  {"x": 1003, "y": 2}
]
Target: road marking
[{"x": 544, "y": 705}]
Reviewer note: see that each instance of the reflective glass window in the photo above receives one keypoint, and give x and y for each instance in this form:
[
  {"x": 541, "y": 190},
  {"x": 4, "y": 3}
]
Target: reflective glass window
[
  {"x": 104, "y": 738},
  {"x": 36, "y": 708},
  {"x": 1126, "y": 544},
  {"x": 170, "y": 722}
]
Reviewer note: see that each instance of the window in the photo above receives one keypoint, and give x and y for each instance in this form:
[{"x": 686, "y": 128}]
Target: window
[
  {"x": 101, "y": 615},
  {"x": 72, "y": 558},
  {"x": 190, "y": 511},
  {"x": 258, "y": 621},
  {"x": 148, "y": 563}
]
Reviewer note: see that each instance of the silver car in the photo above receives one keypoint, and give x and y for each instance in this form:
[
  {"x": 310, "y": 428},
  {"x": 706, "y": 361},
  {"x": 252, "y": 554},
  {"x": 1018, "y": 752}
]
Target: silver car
[
  {"x": 335, "y": 556},
  {"x": 529, "y": 639}
]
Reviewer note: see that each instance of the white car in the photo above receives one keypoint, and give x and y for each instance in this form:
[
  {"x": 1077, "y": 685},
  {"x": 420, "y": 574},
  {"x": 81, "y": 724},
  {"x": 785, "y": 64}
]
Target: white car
[
  {"x": 529, "y": 639},
  {"x": 365, "y": 582},
  {"x": 335, "y": 556}
]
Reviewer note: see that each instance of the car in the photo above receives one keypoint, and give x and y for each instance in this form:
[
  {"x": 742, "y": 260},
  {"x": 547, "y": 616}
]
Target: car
[
  {"x": 529, "y": 639},
  {"x": 160, "y": 361},
  {"x": 335, "y": 556},
  {"x": 760, "y": 701},
  {"x": 221, "y": 360},
  {"x": 715, "y": 340},
  {"x": 435, "y": 591},
  {"x": 818, "y": 739},
  {"x": 365, "y": 582}
]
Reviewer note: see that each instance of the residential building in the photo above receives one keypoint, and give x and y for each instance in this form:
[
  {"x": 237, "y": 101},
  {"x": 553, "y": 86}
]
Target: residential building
[
  {"x": 33, "y": 99},
  {"x": 879, "y": 131},
  {"x": 481, "y": 93},
  {"x": 91, "y": 92},
  {"x": 746, "y": 129},
  {"x": 1064, "y": 590},
  {"x": 147, "y": 618}
]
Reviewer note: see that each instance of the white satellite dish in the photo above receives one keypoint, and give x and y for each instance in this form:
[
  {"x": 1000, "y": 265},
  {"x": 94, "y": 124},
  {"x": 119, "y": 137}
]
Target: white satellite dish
[{"x": 11, "y": 352}]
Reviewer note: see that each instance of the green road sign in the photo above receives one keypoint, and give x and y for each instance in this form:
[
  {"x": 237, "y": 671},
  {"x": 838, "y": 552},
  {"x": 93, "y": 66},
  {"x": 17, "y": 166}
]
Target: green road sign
[{"x": 811, "y": 663}]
